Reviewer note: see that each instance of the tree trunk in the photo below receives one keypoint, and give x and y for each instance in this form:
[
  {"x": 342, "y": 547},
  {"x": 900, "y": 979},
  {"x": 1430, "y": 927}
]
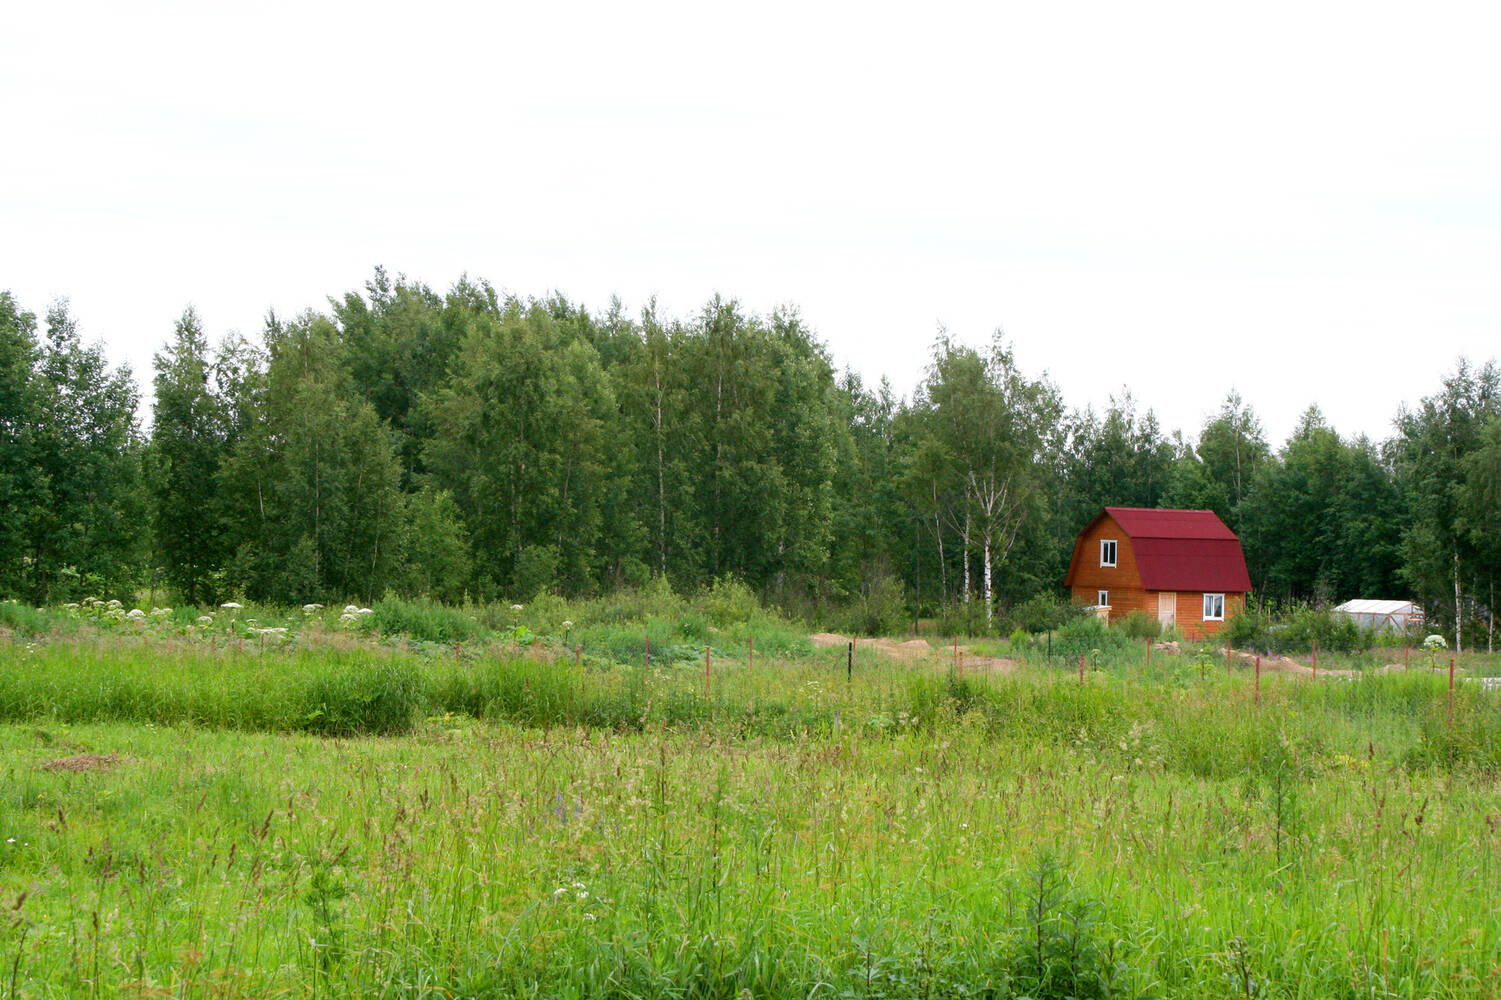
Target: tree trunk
[
  {"x": 1458, "y": 609},
  {"x": 985, "y": 581},
  {"x": 965, "y": 540}
]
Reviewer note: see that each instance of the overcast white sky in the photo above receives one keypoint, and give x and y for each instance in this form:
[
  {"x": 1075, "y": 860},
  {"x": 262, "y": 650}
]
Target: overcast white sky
[{"x": 1301, "y": 201}]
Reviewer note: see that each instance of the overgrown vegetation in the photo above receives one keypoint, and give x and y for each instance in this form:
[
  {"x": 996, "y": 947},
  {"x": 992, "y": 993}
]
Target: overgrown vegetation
[{"x": 350, "y": 812}]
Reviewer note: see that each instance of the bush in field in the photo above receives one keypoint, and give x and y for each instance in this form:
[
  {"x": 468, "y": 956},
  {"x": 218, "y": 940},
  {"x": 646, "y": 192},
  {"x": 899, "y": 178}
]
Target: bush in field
[
  {"x": 880, "y": 607},
  {"x": 1043, "y": 612},
  {"x": 728, "y": 602},
  {"x": 1139, "y": 625},
  {"x": 23, "y": 619},
  {"x": 423, "y": 620},
  {"x": 1247, "y": 629}
]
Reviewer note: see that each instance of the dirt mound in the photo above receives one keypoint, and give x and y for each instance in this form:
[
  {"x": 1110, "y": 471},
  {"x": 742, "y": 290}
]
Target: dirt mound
[
  {"x": 912, "y": 649},
  {"x": 991, "y": 665},
  {"x": 917, "y": 649},
  {"x": 82, "y": 762}
]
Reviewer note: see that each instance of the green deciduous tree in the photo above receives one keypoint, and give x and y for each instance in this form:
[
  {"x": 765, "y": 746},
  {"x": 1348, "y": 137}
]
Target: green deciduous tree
[
  {"x": 318, "y": 510},
  {"x": 87, "y": 530},
  {"x": 190, "y": 433},
  {"x": 1439, "y": 556}
]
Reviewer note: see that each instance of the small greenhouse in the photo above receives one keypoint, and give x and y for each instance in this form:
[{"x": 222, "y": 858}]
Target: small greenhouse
[{"x": 1383, "y": 616}]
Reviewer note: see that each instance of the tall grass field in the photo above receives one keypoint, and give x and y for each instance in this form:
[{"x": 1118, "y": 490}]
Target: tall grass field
[{"x": 196, "y": 810}]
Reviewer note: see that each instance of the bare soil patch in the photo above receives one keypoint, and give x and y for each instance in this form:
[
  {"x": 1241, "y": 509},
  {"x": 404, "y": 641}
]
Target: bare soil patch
[
  {"x": 83, "y": 762},
  {"x": 916, "y": 649}
]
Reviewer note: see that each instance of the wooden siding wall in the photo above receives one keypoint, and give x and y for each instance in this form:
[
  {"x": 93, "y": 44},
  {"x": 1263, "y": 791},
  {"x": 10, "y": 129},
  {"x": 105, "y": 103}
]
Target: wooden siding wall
[
  {"x": 1092, "y": 576},
  {"x": 1191, "y": 613}
]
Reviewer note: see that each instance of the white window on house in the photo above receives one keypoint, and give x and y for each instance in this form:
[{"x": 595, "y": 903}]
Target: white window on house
[
  {"x": 1214, "y": 607},
  {"x": 1104, "y": 598},
  {"x": 1107, "y": 552}
]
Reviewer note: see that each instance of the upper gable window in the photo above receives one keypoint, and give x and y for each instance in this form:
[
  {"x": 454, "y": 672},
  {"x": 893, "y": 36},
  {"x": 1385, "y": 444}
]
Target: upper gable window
[{"x": 1107, "y": 552}]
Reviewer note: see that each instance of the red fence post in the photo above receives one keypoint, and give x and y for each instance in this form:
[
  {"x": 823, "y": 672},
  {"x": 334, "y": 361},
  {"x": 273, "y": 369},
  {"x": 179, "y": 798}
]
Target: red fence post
[
  {"x": 1081, "y": 668},
  {"x": 1149, "y": 654},
  {"x": 750, "y": 660},
  {"x": 708, "y": 670}
]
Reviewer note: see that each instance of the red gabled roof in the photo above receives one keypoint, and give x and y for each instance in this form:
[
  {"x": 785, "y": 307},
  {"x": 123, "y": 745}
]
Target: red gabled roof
[
  {"x": 1181, "y": 549},
  {"x": 1148, "y": 522}
]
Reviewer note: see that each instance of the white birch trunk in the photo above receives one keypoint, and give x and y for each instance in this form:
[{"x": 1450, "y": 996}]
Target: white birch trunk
[
  {"x": 1458, "y": 610},
  {"x": 985, "y": 582}
]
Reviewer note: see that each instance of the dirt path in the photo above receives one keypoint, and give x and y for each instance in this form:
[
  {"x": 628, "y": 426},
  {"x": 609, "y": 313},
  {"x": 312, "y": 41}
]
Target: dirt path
[
  {"x": 1286, "y": 665},
  {"x": 917, "y": 649}
]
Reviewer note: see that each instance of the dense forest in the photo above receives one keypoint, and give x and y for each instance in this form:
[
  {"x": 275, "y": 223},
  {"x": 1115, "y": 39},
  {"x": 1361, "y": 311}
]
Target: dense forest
[{"x": 476, "y": 446}]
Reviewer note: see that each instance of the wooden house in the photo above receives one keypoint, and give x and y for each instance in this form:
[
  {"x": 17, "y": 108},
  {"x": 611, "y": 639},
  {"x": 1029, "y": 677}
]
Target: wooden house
[{"x": 1183, "y": 567}]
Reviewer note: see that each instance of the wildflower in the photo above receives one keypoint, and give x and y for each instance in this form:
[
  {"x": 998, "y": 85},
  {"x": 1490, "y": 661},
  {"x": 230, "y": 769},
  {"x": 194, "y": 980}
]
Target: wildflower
[
  {"x": 351, "y": 609},
  {"x": 231, "y": 606},
  {"x": 568, "y": 625},
  {"x": 515, "y": 607},
  {"x": 71, "y": 606},
  {"x": 135, "y": 613},
  {"x": 205, "y": 619},
  {"x": 558, "y": 893},
  {"x": 114, "y": 605},
  {"x": 1435, "y": 642},
  {"x": 308, "y": 609},
  {"x": 363, "y": 611},
  {"x": 158, "y": 612}
]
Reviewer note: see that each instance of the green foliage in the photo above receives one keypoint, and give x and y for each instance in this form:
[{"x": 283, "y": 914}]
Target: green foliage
[
  {"x": 362, "y": 694},
  {"x": 72, "y": 507},
  {"x": 879, "y": 608},
  {"x": 1296, "y": 629},
  {"x": 422, "y": 619},
  {"x": 437, "y": 562},
  {"x": 474, "y": 446},
  {"x": 23, "y": 619},
  {"x": 1044, "y": 612},
  {"x": 189, "y": 437},
  {"x": 1138, "y": 625},
  {"x": 1062, "y": 950}
]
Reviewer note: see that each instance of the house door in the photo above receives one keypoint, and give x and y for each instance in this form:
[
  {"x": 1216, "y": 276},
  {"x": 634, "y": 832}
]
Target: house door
[{"x": 1167, "y": 608}]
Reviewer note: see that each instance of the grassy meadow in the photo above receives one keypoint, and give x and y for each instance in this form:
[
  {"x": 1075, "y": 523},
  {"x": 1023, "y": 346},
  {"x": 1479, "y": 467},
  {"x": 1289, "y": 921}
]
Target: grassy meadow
[{"x": 421, "y": 802}]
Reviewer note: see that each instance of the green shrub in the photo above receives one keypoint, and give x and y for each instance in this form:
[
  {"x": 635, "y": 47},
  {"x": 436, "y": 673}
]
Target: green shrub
[
  {"x": 362, "y": 694},
  {"x": 879, "y": 608},
  {"x": 728, "y": 602},
  {"x": 1062, "y": 950},
  {"x": 422, "y": 619},
  {"x": 23, "y": 619},
  {"x": 1043, "y": 612},
  {"x": 1139, "y": 625}
]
